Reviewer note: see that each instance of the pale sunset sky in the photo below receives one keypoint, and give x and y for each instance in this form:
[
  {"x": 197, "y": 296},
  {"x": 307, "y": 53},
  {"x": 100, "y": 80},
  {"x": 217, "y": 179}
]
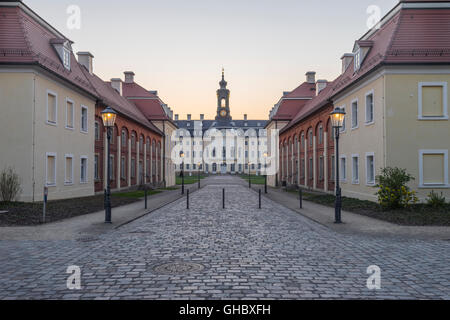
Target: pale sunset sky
[{"x": 178, "y": 47}]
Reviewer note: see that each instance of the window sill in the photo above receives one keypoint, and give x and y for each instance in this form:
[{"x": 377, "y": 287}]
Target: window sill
[
  {"x": 434, "y": 186},
  {"x": 433, "y": 118},
  {"x": 50, "y": 123},
  {"x": 355, "y": 182},
  {"x": 51, "y": 185},
  {"x": 354, "y": 128},
  {"x": 369, "y": 123},
  {"x": 84, "y": 182},
  {"x": 370, "y": 184},
  {"x": 69, "y": 128},
  {"x": 85, "y": 132},
  {"x": 68, "y": 183}
]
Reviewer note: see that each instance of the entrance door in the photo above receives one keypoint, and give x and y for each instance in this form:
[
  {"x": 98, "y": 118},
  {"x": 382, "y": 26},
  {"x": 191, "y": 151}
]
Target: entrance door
[{"x": 223, "y": 168}]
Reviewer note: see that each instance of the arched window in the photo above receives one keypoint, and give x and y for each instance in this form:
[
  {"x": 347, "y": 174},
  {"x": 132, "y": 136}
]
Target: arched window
[
  {"x": 133, "y": 141},
  {"x": 124, "y": 138},
  {"x": 141, "y": 144},
  {"x": 147, "y": 145},
  {"x": 302, "y": 141},
  {"x": 310, "y": 137},
  {"x": 320, "y": 134}
]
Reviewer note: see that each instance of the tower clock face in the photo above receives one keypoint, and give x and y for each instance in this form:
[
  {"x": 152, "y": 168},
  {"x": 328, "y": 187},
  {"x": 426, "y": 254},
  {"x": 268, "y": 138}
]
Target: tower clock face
[{"x": 223, "y": 113}]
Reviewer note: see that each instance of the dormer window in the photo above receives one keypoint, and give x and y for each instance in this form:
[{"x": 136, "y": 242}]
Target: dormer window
[
  {"x": 357, "y": 60},
  {"x": 66, "y": 56}
]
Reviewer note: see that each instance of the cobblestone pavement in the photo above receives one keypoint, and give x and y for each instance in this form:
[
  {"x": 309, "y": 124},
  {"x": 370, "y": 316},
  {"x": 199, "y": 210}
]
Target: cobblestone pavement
[{"x": 240, "y": 252}]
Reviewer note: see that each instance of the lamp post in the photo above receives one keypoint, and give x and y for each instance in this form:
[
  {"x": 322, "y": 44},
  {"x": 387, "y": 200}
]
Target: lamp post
[
  {"x": 265, "y": 172},
  {"x": 109, "y": 119},
  {"x": 182, "y": 172},
  {"x": 249, "y": 177},
  {"x": 199, "y": 164},
  {"x": 337, "y": 121}
]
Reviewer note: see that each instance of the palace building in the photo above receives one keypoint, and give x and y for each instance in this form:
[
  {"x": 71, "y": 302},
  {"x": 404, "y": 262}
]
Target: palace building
[{"x": 236, "y": 159}]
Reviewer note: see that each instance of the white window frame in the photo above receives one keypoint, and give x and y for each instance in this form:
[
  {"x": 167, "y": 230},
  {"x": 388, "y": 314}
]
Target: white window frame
[
  {"x": 371, "y": 92},
  {"x": 52, "y": 93},
  {"x": 357, "y": 113},
  {"x": 355, "y": 181},
  {"x": 73, "y": 113},
  {"x": 66, "y": 63},
  {"x": 67, "y": 182},
  {"x": 370, "y": 183},
  {"x": 357, "y": 59},
  {"x": 341, "y": 177},
  {"x": 50, "y": 154},
  {"x": 97, "y": 167},
  {"x": 87, "y": 170},
  {"x": 83, "y": 107},
  {"x": 442, "y": 84},
  {"x": 433, "y": 185},
  {"x": 343, "y": 129}
]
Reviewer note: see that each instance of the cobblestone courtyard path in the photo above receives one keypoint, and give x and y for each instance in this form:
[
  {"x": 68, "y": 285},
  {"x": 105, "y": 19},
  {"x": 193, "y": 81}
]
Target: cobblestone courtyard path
[{"x": 210, "y": 253}]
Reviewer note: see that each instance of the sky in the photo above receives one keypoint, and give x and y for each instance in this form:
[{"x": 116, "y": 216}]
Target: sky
[{"x": 178, "y": 47}]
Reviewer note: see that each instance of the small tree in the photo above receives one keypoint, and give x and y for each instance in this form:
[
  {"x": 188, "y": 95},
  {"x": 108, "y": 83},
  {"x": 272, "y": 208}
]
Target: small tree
[
  {"x": 393, "y": 190},
  {"x": 9, "y": 184}
]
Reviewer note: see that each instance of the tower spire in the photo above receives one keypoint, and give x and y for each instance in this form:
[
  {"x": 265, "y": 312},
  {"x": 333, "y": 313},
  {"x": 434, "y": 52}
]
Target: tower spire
[{"x": 223, "y": 73}]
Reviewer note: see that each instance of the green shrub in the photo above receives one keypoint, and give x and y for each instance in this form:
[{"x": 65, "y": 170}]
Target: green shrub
[
  {"x": 9, "y": 185},
  {"x": 435, "y": 200},
  {"x": 393, "y": 191}
]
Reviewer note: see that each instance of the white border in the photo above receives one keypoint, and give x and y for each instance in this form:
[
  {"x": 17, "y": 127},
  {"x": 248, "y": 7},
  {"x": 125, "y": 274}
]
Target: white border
[
  {"x": 68, "y": 100},
  {"x": 370, "y": 183},
  {"x": 341, "y": 178},
  {"x": 87, "y": 170},
  {"x": 67, "y": 182},
  {"x": 371, "y": 92},
  {"x": 87, "y": 119},
  {"x": 442, "y": 84},
  {"x": 353, "y": 169},
  {"x": 50, "y": 154},
  {"x": 423, "y": 152},
  {"x": 357, "y": 113},
  {"x": 52, "y": 93}
]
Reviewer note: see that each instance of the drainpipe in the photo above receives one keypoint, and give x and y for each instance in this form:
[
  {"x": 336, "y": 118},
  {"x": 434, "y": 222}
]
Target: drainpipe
[
  {"x": 33, "y": 166},
  {"x": 164, "y": 153}
]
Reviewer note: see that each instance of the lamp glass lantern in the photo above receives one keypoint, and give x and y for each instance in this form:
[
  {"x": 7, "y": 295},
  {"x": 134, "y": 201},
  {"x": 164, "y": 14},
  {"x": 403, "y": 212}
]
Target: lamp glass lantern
[
  {"x": 109, "y": 117},
  {"x": 337, "y": 117}
]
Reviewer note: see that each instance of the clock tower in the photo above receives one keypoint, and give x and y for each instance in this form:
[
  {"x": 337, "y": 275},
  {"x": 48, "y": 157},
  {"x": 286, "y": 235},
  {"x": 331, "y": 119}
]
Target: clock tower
[{"x": 223, "y": 101}]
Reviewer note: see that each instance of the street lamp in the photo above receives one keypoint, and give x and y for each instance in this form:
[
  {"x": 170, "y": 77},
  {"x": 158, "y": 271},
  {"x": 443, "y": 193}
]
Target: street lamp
[
  {"x": 337, "y": 121},
  {"x": 265, "y": 172},
  {"x": 109, "y": 119},
  {"x": 182, "y": 172}
]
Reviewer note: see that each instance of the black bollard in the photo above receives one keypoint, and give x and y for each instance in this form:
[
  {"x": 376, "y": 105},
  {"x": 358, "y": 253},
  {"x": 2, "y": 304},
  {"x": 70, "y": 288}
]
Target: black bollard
[
  {"x": 145, "y": 193},
  {"x": 187, "y": 199},
  {"x": 223, "y": 198},
  {"x": 300, "y": 192},
  {"x": 260, "y": 198}
]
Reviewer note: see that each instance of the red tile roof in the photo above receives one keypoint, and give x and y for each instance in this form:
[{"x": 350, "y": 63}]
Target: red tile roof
[
  {"x": 23, "y": 40},
  {"x": 419, "y": 36},
  {"x": 148, "y": 103},
  {"x": 112, "y": 98},
  {"x": 291, "y": 103}
]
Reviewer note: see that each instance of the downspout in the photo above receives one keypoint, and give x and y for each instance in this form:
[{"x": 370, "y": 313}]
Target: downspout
[
  {"x": 164, "y": 153},
  {"x": 33, "y": 169}
]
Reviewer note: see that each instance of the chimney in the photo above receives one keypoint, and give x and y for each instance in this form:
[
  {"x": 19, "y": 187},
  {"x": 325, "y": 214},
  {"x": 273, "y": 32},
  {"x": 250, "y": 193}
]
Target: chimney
[
  {"x": 202, "y": 117},
  {"x": 87, "y": 60},
  {"x": 176, "y": 117},
  {"x": 245, "y": 117},
  {"x": 346, "y": 60},
  {"x": 189, "y": 117},
  {"x": 311, "y": 77},
  {"x": 129, "y": 76},
  {"x": 116, "y": 83},
  {"x": 320, "y": 85}
]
